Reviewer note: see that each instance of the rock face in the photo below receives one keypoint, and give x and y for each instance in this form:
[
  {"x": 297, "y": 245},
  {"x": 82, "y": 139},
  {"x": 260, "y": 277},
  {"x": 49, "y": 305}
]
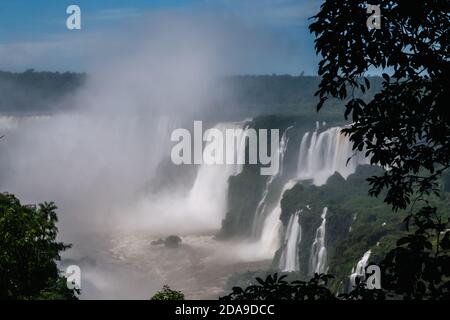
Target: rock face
[
  {"x": 354, "y": 224},
  {"x": 170, "y": 242}
]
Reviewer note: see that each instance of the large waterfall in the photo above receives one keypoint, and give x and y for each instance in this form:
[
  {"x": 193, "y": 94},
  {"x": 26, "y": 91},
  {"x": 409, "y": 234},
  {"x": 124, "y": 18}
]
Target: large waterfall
[
  {"x": 208, "y": 195},
  {"x": 318, "y": 259},
  {"x": 203, "y": 207},
  {"x": 289, "y": 257}
]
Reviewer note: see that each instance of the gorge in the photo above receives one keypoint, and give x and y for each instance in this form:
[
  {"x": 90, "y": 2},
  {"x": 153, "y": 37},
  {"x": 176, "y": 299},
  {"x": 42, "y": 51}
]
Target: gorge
[{"x": 123, "y": 192}]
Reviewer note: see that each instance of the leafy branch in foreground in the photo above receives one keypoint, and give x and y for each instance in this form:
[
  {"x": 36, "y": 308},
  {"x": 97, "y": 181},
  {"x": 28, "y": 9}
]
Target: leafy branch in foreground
[
  {"x": 406, "y": 126},
  {"x": 276, "y": 288},
  {"x": 29, "y": 251}
]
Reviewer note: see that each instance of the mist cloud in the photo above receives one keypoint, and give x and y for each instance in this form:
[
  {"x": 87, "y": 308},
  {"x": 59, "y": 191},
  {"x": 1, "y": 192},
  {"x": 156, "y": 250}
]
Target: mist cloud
[{"x": 96, "y": 160}]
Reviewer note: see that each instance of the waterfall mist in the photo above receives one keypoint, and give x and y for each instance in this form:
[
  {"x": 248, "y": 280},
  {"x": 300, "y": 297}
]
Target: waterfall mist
[
  {"x": 97, "y": 160},
  {"x": 100, "y": 161},
  {"x": 144, "y": 81}
]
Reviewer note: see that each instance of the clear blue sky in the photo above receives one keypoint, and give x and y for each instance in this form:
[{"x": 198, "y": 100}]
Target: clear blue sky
[{"x": 39, "y": 23}]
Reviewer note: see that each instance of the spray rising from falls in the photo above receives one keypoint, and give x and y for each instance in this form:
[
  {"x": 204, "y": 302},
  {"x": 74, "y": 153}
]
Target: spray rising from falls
[
  {"x": 318, "y": 260},
  {"x": 289, "y": 257},
  {"x": 204, "y": 206},
  {"x": 208, "y": 194}
]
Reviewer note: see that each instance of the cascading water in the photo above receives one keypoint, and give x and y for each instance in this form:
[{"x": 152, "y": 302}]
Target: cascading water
[
  {"x": 259, "y": 221},
  {"x": 320, "y": 156},
  {"x": 360, "y": 269},
  {"x": 289, "y": 257},
  {"x": 208, "y": 194},
  {"x": 269, "y": 241},
  {"x": 204, "y": 206},
  {"x": 318, "y": 259},
  {"x": 325, "y": 153}
]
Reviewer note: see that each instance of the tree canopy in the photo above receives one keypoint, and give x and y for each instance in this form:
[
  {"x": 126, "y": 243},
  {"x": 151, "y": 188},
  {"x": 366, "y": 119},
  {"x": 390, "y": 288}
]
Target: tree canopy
[
  {"x": 29, "y": 252},
  {"x": 406, "y": 126}
]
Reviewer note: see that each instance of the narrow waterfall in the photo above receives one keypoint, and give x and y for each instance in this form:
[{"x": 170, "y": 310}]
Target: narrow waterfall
[
  {"x": 261, "y": 208},
  {"x": 360, "y": 269},
  {"x": 241, "y": 148},
  {"x": 289, "y": 257},
  {"x": 325, "y": 153},
  {"x": 259, "y": 218},
  {"x": 318, "y": 259}
]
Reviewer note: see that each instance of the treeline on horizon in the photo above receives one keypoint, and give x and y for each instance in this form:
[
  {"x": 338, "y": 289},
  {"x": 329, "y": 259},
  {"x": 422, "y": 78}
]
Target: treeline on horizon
[
  {"x": 33, "y": 91},
  {"x": 37, "y": 92}
]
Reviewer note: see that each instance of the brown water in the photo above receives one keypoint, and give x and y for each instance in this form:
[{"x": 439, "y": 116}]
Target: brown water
[{"x": 127, "y": 266}]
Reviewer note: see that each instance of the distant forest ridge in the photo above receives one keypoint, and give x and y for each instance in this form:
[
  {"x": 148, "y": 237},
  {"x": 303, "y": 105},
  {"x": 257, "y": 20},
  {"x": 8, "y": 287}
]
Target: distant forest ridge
[
  {"x": 32, "y": 92},
  {"x": 37, "y": 92}
]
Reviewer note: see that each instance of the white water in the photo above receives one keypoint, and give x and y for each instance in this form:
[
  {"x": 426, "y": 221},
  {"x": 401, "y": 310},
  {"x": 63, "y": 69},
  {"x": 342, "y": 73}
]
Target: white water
[
  {"x": 269, "y": 241},
  {"x": 325, "y": 153},
  {"x": 204, "y": 206},
  {"x": 360, "y": 269},
  {"x": 270, "y": 236},
  {"x": 318, "y": 260},
  {"x": 320, "y": 156},
  {"x": 289, "y": 257},
  {"x": 259, "y": 218},
  {"x": 208, "y": 195}
]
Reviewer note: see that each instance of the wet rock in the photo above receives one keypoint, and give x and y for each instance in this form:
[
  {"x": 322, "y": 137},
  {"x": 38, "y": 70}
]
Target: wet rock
[
  {"x": 172, "y": 241},
  {"x": 160, "y": 241}
]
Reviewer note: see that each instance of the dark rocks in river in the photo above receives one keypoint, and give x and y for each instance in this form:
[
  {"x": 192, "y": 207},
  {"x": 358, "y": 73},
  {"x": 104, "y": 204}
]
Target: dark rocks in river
[
  {"x": 170, "y": 242},
  {"x": 157, "y": 242}
]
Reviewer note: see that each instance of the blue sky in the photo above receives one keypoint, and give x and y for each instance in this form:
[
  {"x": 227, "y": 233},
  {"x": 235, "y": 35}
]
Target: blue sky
[{"x": 32, "y": 30}]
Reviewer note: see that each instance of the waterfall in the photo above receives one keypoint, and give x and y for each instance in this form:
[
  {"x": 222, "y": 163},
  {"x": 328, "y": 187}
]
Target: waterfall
[
  {"x": 203, "y": 207},
  {"x": 258, "y": 220},
  {"x": 269, "y": 241},
  {"x": 318, "y": 259},
  {"x": 360, "y": 269},
  {"x": 322, "y": 154},
  {"x": 289, "y": 257},
  {"x": 208, "y": 196}
]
